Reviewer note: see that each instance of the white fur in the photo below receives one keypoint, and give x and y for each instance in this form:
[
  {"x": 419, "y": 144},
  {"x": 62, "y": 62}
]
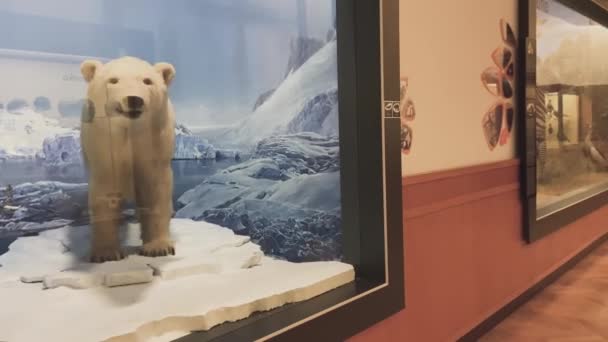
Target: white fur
[{"x": 129, "y": 158}]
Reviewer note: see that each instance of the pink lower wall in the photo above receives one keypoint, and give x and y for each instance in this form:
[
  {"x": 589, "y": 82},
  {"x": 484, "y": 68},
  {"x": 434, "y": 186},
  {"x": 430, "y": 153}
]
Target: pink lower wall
[{"x": 464, "y": 253}]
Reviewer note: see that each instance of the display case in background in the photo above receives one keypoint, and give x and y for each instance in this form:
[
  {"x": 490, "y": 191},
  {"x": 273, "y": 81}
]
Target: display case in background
[
  {"x": 287, "y": 166},
  {"x": 565, "y": 141}
]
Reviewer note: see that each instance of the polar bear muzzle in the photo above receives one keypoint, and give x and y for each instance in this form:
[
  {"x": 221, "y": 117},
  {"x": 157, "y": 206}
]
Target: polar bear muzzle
[
  {"x": 130, "y": 106},
  {"x": 133, "y": 106}
]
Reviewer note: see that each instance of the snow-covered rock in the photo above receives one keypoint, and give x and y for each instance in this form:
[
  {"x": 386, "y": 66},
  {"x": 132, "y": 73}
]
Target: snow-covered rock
[
  {"x": 319, "y": 115},
  {"x": 303, "y": 191},
  {"x": 23, "y": 131},
  {"x": 41, "y": 206},
  {"x": 215, "y": 277},
  {"x": 23, "y": 227},
  {"x": 302, "y": 153},
  {"x": 286, "y": 197},
  {"x": 275, "y": 159},
  {"x": 62, "y": 149}
]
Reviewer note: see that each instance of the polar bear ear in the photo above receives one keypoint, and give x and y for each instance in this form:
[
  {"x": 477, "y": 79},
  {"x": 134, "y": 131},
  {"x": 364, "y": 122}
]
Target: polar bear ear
[
  {"x": 166, "y": 70},
  {"x": 88, "y": 69}
]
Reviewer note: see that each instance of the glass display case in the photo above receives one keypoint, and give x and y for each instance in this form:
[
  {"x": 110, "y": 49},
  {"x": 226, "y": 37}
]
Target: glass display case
[
  {"x": 197, "y": 170},
  {"x": 566, "y": 140}
]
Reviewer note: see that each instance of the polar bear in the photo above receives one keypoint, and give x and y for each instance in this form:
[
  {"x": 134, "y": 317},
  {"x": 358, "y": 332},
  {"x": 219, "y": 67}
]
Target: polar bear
[{"x": 128, "y": 137}]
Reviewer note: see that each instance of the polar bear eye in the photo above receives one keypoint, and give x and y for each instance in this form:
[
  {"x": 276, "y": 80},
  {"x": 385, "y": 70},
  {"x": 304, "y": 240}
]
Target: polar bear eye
[
  {"x": 113, "y": 80},
  {"x": 147, "y": 81}
]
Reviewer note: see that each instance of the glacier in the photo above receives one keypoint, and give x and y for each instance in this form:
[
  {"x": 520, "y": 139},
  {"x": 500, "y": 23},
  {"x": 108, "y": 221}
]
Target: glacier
[{"x": 190, "y": 146}]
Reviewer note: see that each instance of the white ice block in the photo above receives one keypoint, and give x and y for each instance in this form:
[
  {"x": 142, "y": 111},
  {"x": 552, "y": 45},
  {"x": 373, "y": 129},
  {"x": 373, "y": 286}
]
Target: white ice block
[
  {"x": 221, "y": 260},
  {"x": 215, "y": 277},
  {"x": 74, "y": 280}
]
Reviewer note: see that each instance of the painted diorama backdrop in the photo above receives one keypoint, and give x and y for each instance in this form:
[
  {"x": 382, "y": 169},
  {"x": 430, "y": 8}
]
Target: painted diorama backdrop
[
  {"x": 256, "y": 106},
  {"x": 256, "y": 165}
]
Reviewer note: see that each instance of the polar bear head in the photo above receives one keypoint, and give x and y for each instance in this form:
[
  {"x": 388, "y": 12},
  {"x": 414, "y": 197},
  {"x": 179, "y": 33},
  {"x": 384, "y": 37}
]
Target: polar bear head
[{"x": 128, "y": 86}]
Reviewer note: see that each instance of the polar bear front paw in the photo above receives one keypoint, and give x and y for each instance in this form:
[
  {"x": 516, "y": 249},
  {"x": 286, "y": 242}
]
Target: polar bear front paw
[
  {"x": 107, "y": 254},
  {"x": 157, "y": 248}
]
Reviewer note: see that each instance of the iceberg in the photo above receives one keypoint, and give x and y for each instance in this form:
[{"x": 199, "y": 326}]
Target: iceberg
[{"x": 190, "y": 146}]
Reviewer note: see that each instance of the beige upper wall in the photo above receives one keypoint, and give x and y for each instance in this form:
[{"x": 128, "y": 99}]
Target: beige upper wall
[{"x": 445, "y": 46}]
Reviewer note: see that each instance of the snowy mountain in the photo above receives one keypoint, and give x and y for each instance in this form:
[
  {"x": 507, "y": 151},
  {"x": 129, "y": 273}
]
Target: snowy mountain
[
  {"x": 316, "y": 76},
  {"x": 301, "y": 49},
  {"x": 40, "y": 206},
  {"x": 23, "y": 131},
  {"x": 262, "y": 98},
  {"x": 319, "y": 115}
]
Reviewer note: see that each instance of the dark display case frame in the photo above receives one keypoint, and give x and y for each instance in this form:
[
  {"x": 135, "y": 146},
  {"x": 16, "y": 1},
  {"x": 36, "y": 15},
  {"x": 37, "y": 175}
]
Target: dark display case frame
[
  {"x": 554, "y": 217},
  {"x": 370, "y": 156}
]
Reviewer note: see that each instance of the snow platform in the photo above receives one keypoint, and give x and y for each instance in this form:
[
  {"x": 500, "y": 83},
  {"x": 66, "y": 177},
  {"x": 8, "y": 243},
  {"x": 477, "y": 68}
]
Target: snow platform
[{"x": 48, "y": 291}]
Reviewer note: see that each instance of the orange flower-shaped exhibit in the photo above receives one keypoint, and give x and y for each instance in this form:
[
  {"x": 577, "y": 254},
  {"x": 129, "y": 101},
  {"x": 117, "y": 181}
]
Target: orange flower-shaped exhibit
[{"x": 498, "y": 80}]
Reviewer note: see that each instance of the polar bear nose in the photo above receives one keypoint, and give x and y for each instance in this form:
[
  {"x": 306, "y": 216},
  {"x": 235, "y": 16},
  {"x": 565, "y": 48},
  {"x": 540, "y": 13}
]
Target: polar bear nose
[{"x": 135, "y": 102}]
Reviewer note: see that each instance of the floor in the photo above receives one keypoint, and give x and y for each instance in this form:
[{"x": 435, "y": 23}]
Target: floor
[{"x": 573, "y": 309}]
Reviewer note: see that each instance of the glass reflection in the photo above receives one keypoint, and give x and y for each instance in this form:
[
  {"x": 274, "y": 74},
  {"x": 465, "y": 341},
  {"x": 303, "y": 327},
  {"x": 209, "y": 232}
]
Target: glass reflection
[{"x": 572, "y": 108}]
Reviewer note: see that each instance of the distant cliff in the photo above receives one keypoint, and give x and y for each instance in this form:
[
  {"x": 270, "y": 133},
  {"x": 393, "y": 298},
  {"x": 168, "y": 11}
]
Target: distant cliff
[{"x": 300, "y": 50}]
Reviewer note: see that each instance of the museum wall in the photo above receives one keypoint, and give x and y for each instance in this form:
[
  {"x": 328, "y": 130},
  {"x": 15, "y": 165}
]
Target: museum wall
[
  {"x": 444, "y": 51},
  {"x": 464, "y": 253},
  {"x": 465, "y": 257}
]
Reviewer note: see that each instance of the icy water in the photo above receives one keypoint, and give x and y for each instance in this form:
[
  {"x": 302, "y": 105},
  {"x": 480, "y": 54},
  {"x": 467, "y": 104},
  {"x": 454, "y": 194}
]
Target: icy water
[{"x": 187, "y": 174}]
